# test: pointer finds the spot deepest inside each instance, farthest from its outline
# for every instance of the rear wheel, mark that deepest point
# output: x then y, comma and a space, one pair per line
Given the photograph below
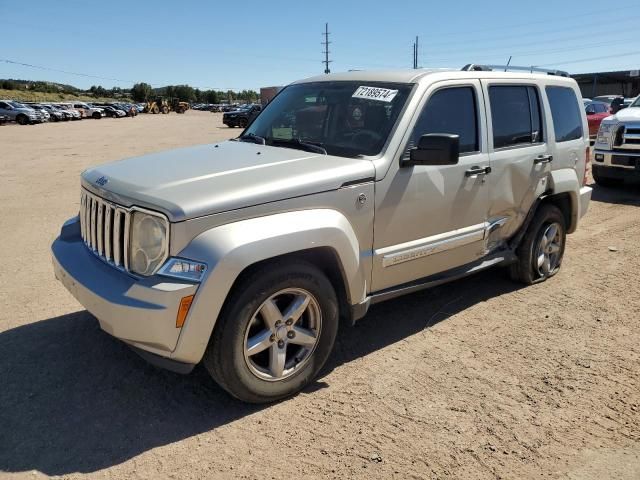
542, 249
155, 109
275, 332
243, 123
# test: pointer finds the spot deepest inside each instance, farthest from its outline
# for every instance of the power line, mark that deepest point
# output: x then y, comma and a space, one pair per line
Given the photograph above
86, 75
581, 60
546, 21
326, 48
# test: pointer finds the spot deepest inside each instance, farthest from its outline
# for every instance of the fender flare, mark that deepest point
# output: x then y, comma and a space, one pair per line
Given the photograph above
565, 181
229, 249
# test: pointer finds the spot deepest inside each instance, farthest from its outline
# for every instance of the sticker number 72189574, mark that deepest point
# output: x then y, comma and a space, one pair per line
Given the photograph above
375, 93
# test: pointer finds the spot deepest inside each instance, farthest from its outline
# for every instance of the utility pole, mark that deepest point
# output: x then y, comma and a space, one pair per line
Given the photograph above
326, 48
416, 51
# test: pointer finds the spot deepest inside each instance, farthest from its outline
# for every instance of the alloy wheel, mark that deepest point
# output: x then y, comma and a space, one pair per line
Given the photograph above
548, 252
282, 334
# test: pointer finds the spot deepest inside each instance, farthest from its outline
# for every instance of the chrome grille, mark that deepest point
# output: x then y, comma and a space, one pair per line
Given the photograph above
105, 229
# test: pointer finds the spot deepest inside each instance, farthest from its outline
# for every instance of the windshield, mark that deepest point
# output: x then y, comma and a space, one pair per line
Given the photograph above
636, 103
344, 118
18, 105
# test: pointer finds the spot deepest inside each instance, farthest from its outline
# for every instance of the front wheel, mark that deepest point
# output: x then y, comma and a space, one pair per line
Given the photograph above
275, 333
22, 119
542, 249
96, 116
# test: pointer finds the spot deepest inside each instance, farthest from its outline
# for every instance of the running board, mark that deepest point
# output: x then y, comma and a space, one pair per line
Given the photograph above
500, 258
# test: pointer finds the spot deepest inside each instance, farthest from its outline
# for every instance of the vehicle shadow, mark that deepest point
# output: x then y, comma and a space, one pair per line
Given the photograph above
625, 194
73, 399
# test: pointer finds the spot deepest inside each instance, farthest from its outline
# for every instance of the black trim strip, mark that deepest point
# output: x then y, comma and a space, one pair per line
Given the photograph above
351, 183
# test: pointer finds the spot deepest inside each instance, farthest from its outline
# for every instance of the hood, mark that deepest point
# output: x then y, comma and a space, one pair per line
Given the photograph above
207, 179
629, 114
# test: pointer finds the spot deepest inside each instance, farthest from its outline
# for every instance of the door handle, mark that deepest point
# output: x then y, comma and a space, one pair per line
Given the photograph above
475, 171
543, 159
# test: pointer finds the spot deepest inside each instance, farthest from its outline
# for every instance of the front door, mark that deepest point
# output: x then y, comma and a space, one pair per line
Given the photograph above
433, 218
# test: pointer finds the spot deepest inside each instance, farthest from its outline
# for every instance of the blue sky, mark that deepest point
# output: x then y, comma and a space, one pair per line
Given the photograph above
248, 44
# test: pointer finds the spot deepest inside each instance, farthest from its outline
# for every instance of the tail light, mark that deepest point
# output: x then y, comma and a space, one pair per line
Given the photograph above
587, 162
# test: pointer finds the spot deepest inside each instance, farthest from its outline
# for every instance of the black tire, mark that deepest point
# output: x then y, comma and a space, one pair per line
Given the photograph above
96, 115
527, 269
225, 356
606, 181
22, 119
243, 123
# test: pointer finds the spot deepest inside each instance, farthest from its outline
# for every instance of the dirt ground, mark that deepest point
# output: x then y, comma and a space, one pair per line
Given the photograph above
479, 379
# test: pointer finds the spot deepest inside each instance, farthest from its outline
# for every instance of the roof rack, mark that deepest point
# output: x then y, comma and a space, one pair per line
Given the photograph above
472, 67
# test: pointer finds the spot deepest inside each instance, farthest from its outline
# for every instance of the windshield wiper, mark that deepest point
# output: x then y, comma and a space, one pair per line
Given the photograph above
252, 137
301, 144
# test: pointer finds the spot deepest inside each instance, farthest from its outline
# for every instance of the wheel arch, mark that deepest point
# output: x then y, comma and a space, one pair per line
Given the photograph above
322, 237
564, 189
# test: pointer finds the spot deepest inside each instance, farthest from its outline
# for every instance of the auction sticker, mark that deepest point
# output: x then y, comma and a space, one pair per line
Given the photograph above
375, 93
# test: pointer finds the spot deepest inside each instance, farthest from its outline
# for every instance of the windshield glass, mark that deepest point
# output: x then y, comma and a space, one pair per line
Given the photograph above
344, 118
636, 103
17, 105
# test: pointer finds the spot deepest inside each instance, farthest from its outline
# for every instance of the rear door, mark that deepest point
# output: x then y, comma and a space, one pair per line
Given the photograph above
569, 137
519, 152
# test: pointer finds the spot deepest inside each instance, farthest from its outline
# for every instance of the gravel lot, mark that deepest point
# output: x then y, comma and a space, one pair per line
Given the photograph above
476, 379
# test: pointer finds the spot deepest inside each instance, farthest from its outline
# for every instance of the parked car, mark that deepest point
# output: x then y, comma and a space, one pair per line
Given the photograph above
3, 119
56, 114
75, 114
113, 112
89, 111
348, 190
596, 112
20, 113
615, 102
41, 110
617, 147
241, 117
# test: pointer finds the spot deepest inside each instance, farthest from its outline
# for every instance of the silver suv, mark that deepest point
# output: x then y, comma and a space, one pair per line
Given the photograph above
347, 190
20, 113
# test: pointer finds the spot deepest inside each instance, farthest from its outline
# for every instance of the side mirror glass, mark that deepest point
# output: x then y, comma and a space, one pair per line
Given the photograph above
435, 149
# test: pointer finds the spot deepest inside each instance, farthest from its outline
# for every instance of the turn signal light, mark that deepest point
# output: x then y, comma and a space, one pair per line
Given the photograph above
183, 310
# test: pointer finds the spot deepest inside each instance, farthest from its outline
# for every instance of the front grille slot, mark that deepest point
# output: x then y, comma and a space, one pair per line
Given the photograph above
104, 228
631, 135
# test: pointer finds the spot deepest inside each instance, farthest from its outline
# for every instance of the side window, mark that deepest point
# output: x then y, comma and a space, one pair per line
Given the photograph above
567, 122
3, 105
450, 110
515, 115
600, 108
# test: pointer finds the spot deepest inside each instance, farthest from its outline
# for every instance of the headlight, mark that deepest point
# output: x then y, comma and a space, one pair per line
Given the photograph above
184, 269
604, 133
149, 243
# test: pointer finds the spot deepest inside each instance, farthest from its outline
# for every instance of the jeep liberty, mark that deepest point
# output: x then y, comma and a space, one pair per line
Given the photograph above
348, 189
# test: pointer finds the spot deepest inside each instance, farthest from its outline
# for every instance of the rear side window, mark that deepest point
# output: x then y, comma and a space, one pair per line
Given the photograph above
515, 115
567, 122
450, 110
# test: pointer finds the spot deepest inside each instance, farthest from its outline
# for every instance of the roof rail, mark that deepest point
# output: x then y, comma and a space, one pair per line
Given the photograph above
472, 67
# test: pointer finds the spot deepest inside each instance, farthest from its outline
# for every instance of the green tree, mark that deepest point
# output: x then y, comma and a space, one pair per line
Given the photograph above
141, 92
211, 96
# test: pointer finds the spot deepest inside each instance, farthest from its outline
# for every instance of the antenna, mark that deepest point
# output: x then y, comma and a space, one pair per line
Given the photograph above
326, 43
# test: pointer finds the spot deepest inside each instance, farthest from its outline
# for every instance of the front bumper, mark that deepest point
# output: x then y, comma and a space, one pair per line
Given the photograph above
139, 311
618, 164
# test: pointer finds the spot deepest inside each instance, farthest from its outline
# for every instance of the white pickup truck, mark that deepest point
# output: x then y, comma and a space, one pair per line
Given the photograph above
617, 147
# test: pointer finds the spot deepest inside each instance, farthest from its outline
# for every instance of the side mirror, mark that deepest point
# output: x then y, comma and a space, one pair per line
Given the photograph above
591, 111
435, 149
